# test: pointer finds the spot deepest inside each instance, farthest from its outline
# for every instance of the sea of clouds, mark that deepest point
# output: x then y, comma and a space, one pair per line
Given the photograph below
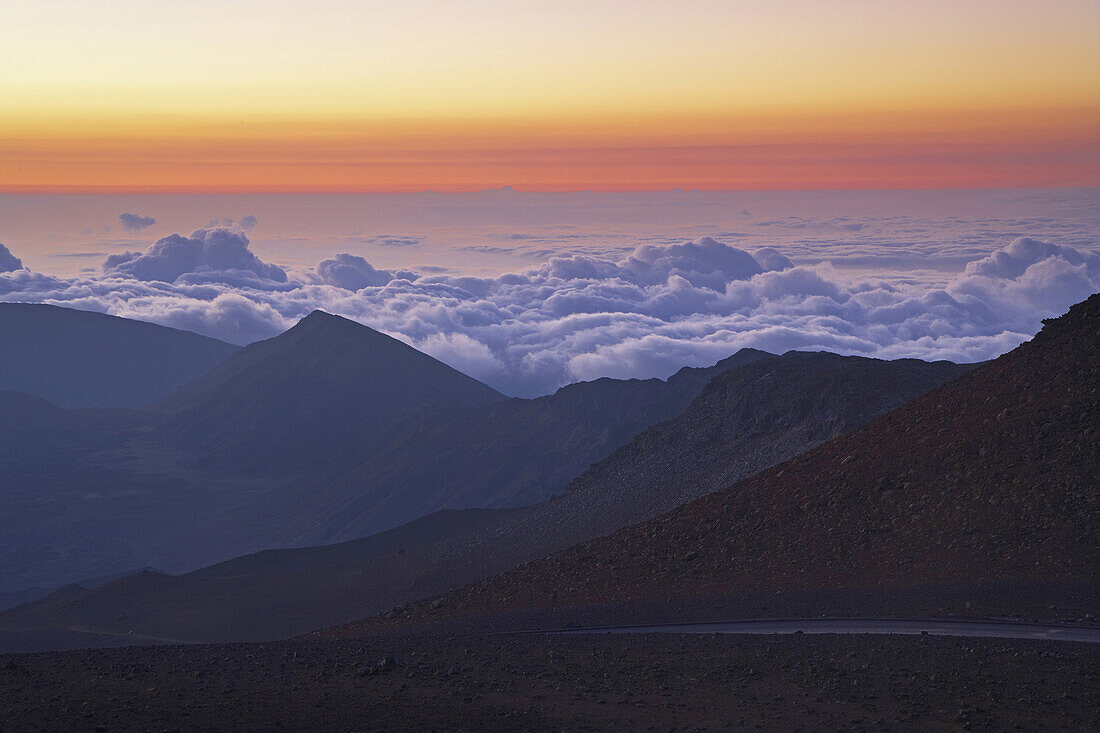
584, 316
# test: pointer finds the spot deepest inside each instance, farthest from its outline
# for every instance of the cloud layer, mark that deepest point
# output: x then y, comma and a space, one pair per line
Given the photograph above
584, 316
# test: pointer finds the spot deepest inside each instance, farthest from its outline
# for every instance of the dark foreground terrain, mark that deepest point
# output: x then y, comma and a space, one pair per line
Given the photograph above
544, 682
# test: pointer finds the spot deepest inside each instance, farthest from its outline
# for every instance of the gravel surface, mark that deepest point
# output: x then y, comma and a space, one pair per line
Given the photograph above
542, 682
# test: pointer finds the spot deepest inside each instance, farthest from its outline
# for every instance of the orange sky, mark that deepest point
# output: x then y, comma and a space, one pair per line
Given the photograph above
393, 96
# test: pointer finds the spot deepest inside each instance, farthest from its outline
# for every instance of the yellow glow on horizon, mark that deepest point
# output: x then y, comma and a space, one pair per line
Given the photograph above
338, 86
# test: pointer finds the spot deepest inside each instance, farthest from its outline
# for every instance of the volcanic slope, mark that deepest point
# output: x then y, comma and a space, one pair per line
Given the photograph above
747, 419
329, 432
83, 359
511, 453
993, 477
294, 400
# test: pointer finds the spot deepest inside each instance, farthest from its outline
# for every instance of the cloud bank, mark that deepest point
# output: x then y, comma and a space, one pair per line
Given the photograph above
212, 254
583, 316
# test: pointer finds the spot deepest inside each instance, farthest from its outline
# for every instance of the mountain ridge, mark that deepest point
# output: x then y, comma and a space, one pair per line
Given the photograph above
286, 400
79, 359
266, 595
77, 486
988, 478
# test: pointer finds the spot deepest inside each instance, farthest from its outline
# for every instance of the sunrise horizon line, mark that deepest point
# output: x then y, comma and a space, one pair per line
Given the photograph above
511, 189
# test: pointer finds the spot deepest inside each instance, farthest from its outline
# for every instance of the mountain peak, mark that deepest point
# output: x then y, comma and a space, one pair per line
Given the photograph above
319, 318
320, 315
290, 398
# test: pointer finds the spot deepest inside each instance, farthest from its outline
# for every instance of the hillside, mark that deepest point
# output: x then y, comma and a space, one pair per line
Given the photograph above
83, 359
747, 418
299, 399
990, 478
511, 453
265, 595
330, 432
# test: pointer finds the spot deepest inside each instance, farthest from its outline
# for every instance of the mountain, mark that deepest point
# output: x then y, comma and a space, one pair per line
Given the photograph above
991, 478
296, 399
11, 599
329, 432
82, 359
744, 421
761, 411
511, 453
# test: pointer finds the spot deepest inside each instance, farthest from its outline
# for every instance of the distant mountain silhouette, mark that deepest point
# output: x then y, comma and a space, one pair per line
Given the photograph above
761, 410
262, 595
288, 401
329, 432
990, 478
82, 359
11, 599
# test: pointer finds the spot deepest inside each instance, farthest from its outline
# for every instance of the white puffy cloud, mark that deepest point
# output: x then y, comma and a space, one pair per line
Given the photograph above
352, 272
772, 259
703, 263
248, 221
207, 251
234, 317
585, 316
1015, 260
8, 261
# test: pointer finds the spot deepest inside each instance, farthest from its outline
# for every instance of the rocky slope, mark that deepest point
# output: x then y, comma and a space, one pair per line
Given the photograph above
992, 477
747, 419
511, 453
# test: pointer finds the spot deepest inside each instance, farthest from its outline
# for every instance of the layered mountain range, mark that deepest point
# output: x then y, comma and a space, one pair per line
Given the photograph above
760, 474
990, 478
584, 456
331, 431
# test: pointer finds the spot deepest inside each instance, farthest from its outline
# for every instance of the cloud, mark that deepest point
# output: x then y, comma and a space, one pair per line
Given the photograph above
1016, 259
8, 261
247, 222
397, 241
642, 314
351, 272
212, 253
234, 317
135, 223
772, 259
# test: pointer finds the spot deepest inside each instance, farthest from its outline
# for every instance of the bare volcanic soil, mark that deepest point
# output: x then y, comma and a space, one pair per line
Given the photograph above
991, 478
539, 682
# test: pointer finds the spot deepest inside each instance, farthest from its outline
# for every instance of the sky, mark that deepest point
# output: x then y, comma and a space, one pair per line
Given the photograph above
409, 95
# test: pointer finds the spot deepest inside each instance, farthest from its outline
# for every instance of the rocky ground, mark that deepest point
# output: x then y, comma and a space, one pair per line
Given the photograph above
541, 682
